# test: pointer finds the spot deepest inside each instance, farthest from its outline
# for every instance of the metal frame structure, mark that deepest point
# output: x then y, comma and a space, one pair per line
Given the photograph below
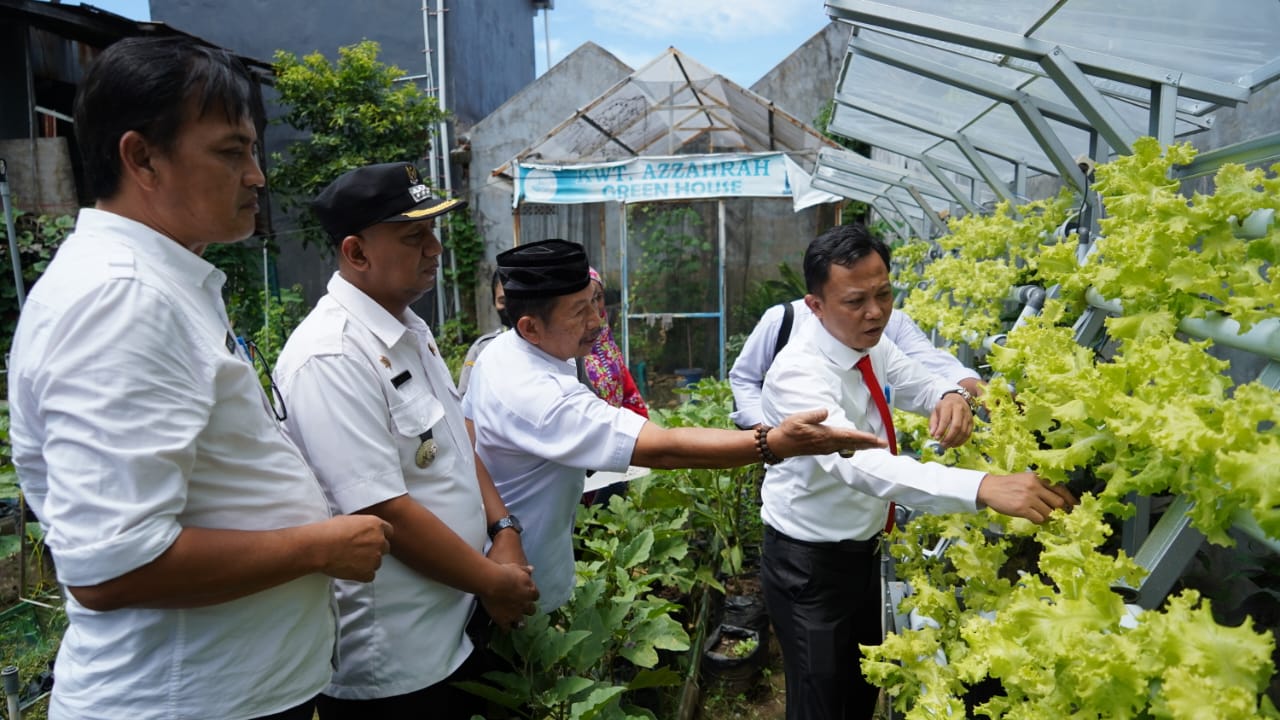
973, 96
979, 94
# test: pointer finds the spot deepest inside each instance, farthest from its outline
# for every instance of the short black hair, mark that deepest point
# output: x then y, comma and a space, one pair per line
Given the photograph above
145, 84
493, 285
842, 245
539, 307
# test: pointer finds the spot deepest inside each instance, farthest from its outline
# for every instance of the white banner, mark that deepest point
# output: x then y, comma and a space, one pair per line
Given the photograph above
677, 177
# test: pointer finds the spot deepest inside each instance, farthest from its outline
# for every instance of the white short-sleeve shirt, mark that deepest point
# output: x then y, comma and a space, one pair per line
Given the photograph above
134, 414
827, 498
362, 388
538, 430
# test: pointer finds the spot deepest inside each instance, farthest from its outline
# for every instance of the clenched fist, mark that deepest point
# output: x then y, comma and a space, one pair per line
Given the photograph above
356, 544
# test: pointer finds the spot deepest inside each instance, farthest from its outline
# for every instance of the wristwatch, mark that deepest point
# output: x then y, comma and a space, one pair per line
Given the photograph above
510, 521
968, 397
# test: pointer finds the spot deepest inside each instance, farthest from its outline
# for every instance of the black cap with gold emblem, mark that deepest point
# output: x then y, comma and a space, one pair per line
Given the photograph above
389, 192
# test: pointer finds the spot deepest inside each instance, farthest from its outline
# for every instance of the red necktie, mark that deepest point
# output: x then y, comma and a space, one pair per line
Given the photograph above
877, 396
886, 419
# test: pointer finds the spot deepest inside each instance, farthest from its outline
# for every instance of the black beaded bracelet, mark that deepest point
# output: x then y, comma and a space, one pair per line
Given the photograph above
767, 456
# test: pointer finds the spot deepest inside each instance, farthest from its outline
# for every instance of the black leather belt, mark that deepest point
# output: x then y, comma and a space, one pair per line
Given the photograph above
844, 546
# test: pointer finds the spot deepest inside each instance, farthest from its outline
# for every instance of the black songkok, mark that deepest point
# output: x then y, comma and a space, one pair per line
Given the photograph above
548, 268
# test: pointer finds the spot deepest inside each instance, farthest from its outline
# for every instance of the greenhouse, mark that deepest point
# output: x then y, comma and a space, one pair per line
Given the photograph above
1079, 301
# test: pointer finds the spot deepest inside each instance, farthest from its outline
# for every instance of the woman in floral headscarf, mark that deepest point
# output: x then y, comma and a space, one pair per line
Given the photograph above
606, 370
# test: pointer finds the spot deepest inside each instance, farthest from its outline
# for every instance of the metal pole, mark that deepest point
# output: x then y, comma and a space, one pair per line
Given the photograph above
22, 298
723, 322
266, 292
13, 237
546, 34
429, 79
445, 171
626, 296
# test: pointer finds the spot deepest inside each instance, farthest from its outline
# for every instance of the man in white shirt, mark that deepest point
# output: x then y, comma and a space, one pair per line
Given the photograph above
823, 514
193, 541
772, 333
375, 412
538, 429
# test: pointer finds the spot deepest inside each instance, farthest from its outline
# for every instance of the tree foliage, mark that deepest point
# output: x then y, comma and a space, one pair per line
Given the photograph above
356, 114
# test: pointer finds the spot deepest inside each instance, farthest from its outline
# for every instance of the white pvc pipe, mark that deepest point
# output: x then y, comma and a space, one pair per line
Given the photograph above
10, 677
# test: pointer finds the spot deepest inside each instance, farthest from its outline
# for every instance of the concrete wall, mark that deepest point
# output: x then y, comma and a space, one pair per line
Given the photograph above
579, 78
41, 176
805, 80
1256, 118
763, 233
489, 57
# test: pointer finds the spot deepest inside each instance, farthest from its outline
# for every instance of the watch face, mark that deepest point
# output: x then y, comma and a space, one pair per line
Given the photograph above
509, 521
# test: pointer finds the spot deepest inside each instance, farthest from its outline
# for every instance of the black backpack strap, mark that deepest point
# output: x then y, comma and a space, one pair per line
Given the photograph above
784, 332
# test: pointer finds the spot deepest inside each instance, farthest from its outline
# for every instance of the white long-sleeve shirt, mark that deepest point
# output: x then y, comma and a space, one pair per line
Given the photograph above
134, 414
827, 498
747, 375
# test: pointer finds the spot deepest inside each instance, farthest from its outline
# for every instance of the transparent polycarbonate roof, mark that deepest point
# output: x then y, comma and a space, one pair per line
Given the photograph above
1220, 40
1001, 91
675, 105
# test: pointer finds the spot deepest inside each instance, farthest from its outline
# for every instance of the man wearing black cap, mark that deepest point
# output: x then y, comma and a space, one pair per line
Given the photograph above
538, 429
373, 408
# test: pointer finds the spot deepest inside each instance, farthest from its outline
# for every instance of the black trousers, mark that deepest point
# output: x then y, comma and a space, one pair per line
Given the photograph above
823, 600
441, 701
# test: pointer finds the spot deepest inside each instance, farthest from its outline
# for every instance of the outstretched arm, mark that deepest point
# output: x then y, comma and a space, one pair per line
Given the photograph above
799, 434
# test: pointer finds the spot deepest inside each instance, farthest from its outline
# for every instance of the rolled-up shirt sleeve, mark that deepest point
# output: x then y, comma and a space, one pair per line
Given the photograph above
123, 397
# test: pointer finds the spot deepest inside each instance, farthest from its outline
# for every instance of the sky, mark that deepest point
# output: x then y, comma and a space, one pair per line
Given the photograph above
740, 39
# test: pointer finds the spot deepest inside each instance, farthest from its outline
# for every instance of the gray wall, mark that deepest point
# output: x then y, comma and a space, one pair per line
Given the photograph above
489, 57
1260, 116
805, 80
579, 78
764, 233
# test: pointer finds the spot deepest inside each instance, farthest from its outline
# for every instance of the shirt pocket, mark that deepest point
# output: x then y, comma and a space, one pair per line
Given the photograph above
417, 414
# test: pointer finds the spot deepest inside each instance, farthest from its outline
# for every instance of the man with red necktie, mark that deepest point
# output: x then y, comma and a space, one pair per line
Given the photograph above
823, 514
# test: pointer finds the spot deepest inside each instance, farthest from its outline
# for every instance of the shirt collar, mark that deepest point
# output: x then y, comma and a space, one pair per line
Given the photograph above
385, 326
156, 250
537, 354
837, 352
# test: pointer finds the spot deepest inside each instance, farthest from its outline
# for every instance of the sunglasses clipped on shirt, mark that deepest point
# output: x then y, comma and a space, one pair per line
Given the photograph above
259, 363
